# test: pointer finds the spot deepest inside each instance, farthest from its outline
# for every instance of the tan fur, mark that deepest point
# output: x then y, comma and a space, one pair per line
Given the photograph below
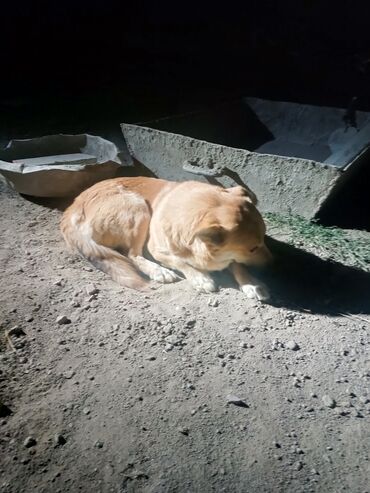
191, 227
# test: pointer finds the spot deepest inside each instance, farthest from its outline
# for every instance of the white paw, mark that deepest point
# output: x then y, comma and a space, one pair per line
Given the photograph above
203, 283
256, 292
166, 276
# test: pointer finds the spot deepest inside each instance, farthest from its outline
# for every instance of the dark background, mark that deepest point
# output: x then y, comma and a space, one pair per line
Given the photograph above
81, 66
312, 51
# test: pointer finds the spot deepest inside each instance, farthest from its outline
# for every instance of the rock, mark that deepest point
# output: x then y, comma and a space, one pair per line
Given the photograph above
29, 442
172, 339
213, 302
236, 401
59, 439
151, 358
244, 345
69, 374
364, 399
98, 444
63, 320
292, 345
298, 465
92, 290
28, 318
184, 431
168, 347
86, 410
328, 401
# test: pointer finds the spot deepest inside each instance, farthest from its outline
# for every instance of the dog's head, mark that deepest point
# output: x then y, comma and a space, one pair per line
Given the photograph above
232, 229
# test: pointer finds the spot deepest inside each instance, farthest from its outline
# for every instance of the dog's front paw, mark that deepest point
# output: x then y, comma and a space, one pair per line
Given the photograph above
256, 292
203, 283
163, 275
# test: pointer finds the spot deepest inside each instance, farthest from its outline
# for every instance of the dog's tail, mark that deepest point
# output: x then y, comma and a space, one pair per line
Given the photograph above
77, 234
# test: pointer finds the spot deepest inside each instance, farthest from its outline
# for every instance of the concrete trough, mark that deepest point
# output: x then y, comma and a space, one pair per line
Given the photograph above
293, 156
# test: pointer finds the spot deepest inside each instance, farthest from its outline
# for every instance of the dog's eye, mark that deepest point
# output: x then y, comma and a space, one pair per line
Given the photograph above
254, 249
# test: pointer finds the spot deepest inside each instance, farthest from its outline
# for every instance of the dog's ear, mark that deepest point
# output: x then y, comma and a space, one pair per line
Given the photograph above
214, 235
244, 192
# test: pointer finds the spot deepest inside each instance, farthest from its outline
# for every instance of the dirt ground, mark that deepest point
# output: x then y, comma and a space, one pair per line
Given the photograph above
109, 390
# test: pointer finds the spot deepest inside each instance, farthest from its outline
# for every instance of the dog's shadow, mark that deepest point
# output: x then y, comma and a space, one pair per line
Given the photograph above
302, 281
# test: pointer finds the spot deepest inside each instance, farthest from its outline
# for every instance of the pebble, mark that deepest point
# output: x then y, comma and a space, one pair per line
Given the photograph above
98, 444
92, 290
184, 431
62, 320
213, 302
244, 345
237, 401
86, 410
151, 358
292, 345
59, 439
169, 347
172, 339
30, 442
328, 401
298, 465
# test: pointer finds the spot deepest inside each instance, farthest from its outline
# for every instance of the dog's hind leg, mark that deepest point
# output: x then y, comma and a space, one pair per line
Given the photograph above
154, 271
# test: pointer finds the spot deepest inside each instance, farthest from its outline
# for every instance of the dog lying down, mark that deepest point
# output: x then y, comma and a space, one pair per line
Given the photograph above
192, 228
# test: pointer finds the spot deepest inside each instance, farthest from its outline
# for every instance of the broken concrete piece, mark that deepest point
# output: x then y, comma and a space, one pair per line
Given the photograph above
77, 158
59, 165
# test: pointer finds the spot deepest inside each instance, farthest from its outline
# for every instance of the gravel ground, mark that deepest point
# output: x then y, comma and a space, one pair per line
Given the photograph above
109, 390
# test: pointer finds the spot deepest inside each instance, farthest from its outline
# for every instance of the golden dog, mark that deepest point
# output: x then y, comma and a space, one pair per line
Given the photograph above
191, 227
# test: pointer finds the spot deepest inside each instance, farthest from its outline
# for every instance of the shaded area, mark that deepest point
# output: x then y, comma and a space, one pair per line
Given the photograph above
349, 206
302, 281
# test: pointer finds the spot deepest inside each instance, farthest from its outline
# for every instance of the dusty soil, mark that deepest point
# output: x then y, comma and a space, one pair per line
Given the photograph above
132, 394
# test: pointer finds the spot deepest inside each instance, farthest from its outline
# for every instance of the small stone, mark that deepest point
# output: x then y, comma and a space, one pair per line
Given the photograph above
328, 401
244, 345
220, 355
172, 339
29, 442
168, 347
86, 410
63, 320
98, 444
298, 465
59, 439
69, 374
184, 431
236, 401
92, 290
364, 399
151, 358
292, 345
28, 318
213, 302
